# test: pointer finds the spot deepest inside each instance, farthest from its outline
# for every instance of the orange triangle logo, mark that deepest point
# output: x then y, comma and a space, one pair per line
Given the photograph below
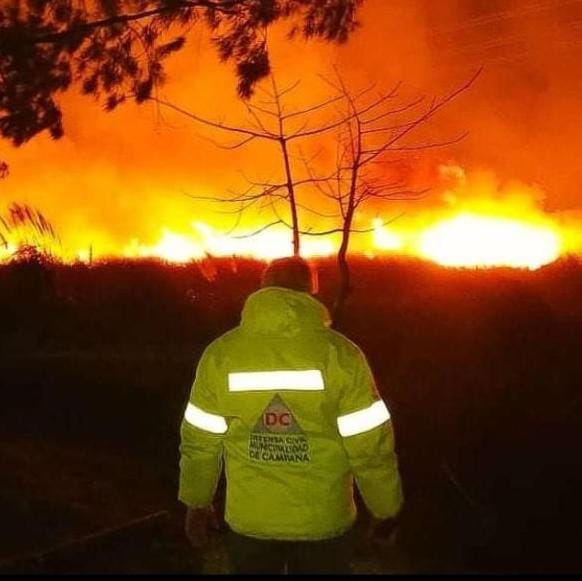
277, 419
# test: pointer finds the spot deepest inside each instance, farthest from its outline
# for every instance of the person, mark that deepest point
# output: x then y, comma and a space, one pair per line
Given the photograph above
291, 408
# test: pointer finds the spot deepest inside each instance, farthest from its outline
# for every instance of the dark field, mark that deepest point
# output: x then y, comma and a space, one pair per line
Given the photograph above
481, 371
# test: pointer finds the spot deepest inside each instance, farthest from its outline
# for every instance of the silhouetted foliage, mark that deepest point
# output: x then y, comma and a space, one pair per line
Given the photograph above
29, 232
116, 50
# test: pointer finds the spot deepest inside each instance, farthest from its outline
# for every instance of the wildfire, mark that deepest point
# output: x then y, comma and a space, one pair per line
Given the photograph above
463, 240
205, 240
484, 241
384, 238
171, 247
480, 223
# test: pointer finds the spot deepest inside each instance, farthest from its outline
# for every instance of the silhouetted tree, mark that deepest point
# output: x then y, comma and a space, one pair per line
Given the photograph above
116, 49
371, 127
272, 120
378, 132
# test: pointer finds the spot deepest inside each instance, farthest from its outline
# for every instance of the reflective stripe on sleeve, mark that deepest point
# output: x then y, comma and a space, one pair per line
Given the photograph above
363, 420
205, 421
307, 380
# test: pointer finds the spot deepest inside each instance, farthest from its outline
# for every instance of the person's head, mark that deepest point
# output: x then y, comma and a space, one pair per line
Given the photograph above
293, 273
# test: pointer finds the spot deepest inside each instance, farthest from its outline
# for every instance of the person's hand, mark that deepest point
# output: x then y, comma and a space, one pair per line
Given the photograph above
200, 524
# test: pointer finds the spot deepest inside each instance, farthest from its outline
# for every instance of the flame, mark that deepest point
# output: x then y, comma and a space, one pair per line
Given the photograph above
171, 247
465, 239
385, 238
203, 240
116, 176
7, 251
478, 222
485, 241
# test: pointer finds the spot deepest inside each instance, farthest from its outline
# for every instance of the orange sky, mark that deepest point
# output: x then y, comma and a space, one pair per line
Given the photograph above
123, 175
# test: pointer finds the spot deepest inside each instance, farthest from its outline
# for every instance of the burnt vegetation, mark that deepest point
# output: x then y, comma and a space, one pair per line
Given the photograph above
480, 369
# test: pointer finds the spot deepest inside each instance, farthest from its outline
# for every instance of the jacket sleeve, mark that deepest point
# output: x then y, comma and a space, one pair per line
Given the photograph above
202, 432
368, 437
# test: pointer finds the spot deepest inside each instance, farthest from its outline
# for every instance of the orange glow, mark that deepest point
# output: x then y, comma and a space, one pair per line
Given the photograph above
115, 185
466, 239
203, 240
171, 247
484, 241
385, 239
7, 251
475, 221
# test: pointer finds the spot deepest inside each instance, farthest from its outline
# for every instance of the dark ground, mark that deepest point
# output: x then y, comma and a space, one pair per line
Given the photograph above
481, 371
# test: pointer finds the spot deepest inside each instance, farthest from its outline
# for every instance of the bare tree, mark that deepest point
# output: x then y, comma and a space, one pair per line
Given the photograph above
374, 134
378, 132
271, 120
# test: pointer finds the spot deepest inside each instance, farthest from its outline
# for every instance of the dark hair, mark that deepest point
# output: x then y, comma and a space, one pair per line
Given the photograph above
293, 273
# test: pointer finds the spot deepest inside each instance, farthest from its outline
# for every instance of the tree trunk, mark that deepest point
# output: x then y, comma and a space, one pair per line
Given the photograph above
295, 224
344, 286
292, 201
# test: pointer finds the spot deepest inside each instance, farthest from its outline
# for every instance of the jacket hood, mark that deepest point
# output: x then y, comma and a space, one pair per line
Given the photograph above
284, 312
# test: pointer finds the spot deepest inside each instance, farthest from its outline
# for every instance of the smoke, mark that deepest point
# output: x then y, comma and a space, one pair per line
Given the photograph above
127, 175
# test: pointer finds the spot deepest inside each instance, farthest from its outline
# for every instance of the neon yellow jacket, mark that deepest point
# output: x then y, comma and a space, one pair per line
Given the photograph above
291, 407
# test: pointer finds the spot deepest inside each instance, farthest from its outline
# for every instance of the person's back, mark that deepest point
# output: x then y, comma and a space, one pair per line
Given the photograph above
292, 408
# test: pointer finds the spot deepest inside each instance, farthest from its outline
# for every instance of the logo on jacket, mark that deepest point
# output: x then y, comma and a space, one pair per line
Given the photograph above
277, 437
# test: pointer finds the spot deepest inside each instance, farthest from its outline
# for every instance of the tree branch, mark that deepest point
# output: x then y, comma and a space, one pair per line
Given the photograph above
432, 110
85, 28
262, 229
214, 124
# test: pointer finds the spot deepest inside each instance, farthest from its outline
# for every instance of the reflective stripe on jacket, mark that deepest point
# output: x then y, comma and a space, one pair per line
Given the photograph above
291, 408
